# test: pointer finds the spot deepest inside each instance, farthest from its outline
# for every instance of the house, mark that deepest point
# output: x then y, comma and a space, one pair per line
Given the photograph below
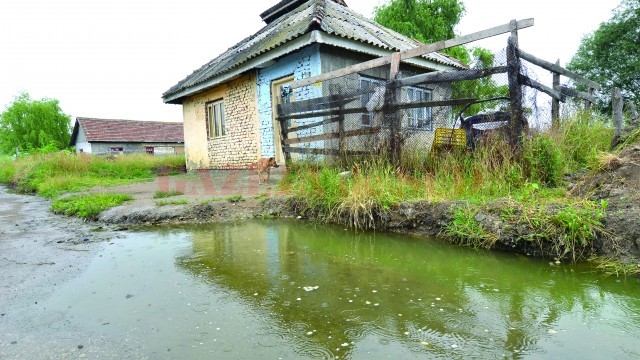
109, 136
228, 103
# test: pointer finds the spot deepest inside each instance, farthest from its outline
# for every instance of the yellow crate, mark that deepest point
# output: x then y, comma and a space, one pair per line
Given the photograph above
445, 137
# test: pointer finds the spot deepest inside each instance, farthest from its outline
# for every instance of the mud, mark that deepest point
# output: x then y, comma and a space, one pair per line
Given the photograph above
619, 185
39, 252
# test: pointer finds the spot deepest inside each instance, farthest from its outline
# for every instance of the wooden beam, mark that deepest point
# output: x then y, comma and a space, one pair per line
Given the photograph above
525, 80
555, 103
419, 51
427, 104
315, 104
312, 125
461, 40
558, 69
450, 76
331, 112
297, 150
336, 135
568, 91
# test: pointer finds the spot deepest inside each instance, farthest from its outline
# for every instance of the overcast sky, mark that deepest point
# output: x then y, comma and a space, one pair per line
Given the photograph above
115, 58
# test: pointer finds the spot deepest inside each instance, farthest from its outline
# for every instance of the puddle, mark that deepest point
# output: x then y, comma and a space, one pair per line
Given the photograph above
292, 290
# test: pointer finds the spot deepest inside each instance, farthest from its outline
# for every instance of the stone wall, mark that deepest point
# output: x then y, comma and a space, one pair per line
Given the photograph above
237, 149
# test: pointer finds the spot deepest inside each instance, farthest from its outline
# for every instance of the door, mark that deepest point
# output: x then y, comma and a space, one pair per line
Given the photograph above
280, 93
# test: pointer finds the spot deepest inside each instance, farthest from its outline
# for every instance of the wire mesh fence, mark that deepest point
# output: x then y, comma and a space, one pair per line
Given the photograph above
368, 114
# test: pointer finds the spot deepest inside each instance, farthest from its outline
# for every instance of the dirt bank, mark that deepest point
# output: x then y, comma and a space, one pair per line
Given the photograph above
39, 252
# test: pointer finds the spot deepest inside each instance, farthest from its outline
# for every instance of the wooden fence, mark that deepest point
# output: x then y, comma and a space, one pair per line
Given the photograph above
333, 108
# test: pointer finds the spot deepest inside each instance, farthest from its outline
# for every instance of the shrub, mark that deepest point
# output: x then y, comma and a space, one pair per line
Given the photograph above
543, 160
88, 206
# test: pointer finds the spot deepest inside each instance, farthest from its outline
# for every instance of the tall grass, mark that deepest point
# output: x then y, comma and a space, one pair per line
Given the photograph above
55, 173
492, 170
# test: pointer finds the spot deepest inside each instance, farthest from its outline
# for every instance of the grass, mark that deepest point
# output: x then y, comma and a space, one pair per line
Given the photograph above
612, 267
53, 174
235, 198
171, 202
166, 194
531, 179
88, 206
466, 230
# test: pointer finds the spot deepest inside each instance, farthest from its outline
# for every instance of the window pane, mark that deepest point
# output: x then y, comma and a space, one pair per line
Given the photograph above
210, 120
216, 119
222, 124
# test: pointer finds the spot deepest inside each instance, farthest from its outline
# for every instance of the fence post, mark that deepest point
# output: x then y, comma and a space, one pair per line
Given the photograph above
516, 125
391, 110
618, 119
283, 133
587, 103
633, 113
555, 104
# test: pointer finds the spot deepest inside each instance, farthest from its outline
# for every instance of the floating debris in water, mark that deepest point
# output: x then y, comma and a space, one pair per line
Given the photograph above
255, 294
310, 288
453, 346
298, 299
345, 344
368, 302
552, 331
376, 304
438, 299
406, 333
374, 291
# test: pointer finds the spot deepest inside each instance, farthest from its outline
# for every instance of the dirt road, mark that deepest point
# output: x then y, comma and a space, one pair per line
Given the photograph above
39, 252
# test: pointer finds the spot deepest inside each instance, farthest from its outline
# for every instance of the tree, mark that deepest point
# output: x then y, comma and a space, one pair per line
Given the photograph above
29, 124
429, 21
610, 55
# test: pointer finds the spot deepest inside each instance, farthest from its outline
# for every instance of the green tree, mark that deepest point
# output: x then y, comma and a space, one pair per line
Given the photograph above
611, 54
429, 21
30, 124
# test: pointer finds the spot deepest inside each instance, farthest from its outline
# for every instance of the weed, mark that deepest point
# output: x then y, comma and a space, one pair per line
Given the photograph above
261, 196
88, 206
465, 229
210, 200
166, 194
171, 202
612, 267
235, 198
55, 173
543, 160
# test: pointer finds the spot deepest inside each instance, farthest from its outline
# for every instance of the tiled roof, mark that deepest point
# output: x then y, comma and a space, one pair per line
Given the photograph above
324, 15
110, 130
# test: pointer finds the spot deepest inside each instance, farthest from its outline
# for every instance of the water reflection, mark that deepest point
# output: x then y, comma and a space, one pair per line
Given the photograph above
330, 293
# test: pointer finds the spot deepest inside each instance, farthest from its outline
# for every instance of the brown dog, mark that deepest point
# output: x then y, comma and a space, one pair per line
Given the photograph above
265, 164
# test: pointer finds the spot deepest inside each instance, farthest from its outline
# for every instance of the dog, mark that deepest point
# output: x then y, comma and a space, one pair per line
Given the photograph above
265, 164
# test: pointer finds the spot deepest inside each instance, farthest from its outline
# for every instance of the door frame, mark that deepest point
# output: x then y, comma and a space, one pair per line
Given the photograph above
277, 131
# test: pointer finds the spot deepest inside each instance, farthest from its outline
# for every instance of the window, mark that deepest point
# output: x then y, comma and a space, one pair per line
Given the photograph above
371, 99
419, 118
148, 150
115, 150
216, 126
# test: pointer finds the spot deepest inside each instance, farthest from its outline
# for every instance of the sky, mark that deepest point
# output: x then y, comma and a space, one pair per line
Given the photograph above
114, 58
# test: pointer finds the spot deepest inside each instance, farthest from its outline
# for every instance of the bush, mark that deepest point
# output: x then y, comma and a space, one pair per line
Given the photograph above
88, 206
543, 160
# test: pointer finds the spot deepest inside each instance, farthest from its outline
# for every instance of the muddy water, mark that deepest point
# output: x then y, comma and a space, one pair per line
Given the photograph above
292, 290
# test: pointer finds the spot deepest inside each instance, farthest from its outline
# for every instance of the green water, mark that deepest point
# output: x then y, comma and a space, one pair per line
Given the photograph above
293, 290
